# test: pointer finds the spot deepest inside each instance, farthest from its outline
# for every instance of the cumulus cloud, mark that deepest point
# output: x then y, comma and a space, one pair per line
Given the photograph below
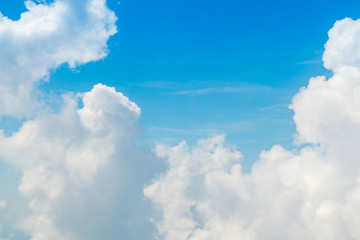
82, 173
46, 36
343, 46
311, 193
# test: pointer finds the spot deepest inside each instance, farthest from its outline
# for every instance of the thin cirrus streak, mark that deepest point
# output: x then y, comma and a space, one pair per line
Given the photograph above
231, 89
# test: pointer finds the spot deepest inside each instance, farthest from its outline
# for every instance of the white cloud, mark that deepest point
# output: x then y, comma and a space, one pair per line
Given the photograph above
46, 36
312, 193
343, 47
287, 195
82, 174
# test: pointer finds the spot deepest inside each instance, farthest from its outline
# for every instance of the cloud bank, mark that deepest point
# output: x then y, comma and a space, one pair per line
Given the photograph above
311, 193
83, 176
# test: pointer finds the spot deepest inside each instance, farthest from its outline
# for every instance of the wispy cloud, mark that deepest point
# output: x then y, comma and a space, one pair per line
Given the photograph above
227, 89
159, 84
208, 128
202, 87
309, 62
180, 130
273, 107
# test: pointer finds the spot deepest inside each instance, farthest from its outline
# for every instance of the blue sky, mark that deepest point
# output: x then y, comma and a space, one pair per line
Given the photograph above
249, 57
196, 69
210, 67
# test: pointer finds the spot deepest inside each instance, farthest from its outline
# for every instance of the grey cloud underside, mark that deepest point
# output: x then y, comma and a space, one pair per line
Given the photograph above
84, 177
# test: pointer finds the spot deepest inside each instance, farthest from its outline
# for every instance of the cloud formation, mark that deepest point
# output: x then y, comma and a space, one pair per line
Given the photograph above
46, 36
77, 165
311, 193
84, 176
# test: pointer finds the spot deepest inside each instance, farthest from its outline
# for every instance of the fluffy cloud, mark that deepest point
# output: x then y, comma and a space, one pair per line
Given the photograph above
46, 36
312, 193
82, 174
343, 46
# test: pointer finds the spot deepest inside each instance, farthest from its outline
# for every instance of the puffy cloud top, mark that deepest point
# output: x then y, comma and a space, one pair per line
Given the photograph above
46, 36
343, 47
104, 109
77, 165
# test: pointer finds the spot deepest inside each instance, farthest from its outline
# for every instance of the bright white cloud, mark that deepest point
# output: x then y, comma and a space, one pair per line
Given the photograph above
312, 193
83, 176
82, 173
343, 46
287, 195
46, 36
